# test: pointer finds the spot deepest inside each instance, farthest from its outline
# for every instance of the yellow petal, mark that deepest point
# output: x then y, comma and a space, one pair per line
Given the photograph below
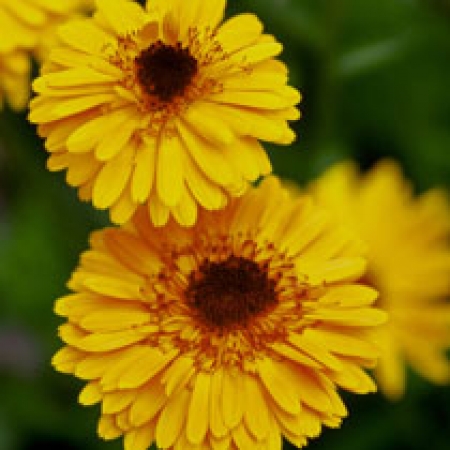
150, 364
66, 359
232, 398
178, 374
198, 414
362, 317
112, 179
139, 438
111, 286
275, 386
125, 359
144, 171
103, 342
123, 16
344, 344
242, 438
123, 209
200, 14
311, 391
172, 419
256, 412
314, 350
207, 193
72, 77
339, 269
148, 403
159, 212
84, 35
116, 401
131, 251
349, 295
169, 174
208, 157
260, 100
107, 428
95, 365
239, 31
185, 213
203, 118
120, 139
218, 427
114, 320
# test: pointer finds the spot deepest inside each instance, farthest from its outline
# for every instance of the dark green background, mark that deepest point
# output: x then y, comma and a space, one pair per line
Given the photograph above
375, 79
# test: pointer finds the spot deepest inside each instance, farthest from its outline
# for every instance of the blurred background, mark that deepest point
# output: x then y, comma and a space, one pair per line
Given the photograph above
375, 80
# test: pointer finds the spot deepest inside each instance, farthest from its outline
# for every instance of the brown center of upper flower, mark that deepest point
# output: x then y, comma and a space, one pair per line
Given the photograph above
165, 71
231, 292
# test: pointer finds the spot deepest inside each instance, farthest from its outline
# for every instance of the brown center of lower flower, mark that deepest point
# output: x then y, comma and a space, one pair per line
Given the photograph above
165, 71
231, 292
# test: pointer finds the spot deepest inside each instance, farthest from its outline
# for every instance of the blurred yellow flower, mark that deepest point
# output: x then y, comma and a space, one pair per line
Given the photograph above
227, 335
14, 79
409, 263
23, 22
28, 28
163, 106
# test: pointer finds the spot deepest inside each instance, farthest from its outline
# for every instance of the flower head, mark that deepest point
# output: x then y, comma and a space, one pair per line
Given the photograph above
163, 106
229, 334
409, 264
28, 28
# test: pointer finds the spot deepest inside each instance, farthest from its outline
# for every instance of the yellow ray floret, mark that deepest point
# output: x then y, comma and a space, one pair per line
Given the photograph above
227, 335
409, 263
163, 106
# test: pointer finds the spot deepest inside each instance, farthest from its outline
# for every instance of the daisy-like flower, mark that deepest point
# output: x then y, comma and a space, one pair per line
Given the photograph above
227, 335
28, 29
14, 79
409, 264
163, 106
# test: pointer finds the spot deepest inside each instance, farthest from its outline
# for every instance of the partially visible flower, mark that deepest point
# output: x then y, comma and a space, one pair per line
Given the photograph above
28, 29
163, 106
409, 263
227, 335
27, 24
14, 79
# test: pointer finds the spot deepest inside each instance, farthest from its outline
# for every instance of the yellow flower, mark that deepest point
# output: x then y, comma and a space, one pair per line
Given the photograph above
409, 264
163, 106
14, 79
27, 28
229, 334
26, 24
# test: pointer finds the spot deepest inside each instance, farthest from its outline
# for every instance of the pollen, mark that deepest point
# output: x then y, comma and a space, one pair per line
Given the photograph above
231, 292
165, 71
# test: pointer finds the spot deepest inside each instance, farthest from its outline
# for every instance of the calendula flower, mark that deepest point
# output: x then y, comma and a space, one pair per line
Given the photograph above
28, 29
409, 264
229, 334
14, 79
163, 106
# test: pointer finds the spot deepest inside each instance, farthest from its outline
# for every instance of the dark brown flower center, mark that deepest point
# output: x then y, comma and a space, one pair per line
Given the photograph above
231, 292
165, 71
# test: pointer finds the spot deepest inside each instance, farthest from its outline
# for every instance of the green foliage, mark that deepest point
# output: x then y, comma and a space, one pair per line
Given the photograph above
374, 75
